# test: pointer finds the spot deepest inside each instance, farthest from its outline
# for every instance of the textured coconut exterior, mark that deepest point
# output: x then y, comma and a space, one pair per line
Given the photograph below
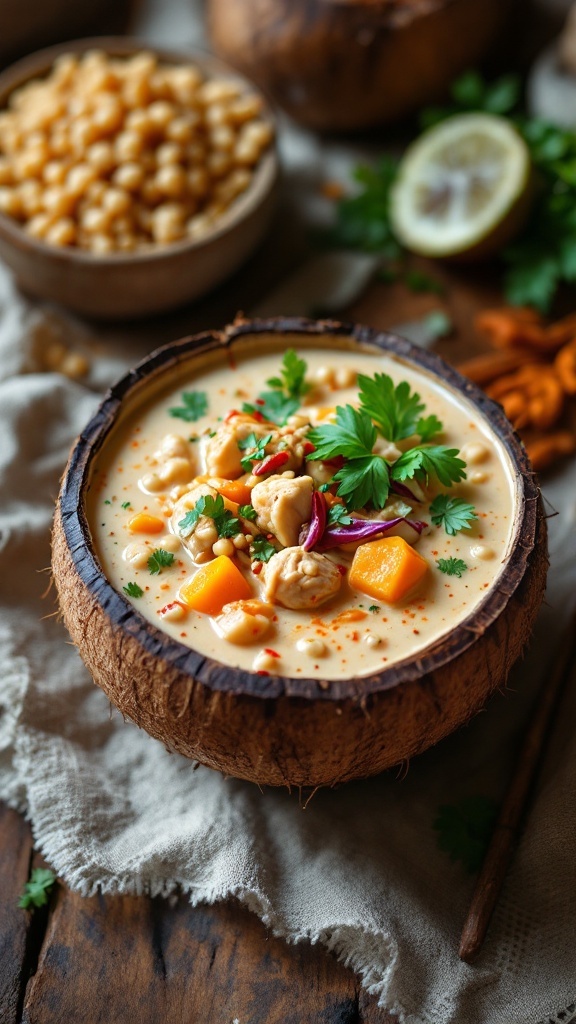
271, 729
337, 65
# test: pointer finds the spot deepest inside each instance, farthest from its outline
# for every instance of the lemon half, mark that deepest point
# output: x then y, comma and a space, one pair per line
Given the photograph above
463, 188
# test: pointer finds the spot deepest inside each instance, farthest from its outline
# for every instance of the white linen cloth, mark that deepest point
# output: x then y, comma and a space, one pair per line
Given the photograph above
359, 870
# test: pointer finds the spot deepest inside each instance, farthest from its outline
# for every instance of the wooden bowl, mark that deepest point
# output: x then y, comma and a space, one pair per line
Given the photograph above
337, 65
272, 729
153, 280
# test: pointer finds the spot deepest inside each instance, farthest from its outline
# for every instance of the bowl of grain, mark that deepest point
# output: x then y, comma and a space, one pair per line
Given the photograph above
131, 181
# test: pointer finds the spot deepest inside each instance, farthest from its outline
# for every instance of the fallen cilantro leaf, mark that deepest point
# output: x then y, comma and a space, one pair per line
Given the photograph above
261, 549
227, 525
107, 501
452, 566
248, 512
133, 590
195, 405
292, 377
126, 504
273, 406
256, 448
454, 514
337, 515
160, 559
416, 281
375, 608
464, 830
287, 392
37, 888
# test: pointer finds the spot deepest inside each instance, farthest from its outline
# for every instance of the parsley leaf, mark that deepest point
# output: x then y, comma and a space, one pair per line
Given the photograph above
255, 445
364, 478
226, 524
452, 566
363, 220
261, 549
126, 504
423, 462
288, 390
394, 409
133, 590
337, 515
464, 830
248, 512
160, 559
429, 427
454, 514
292, 377
195, 406
37, 888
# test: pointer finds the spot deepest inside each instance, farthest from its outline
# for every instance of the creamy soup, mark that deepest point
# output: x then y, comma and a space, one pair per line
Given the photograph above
212, 512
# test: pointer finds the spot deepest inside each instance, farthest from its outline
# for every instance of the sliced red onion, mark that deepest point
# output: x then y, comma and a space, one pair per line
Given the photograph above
361, 529
318, 517
403, 491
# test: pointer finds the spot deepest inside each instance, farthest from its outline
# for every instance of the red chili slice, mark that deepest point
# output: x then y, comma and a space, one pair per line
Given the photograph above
271, 463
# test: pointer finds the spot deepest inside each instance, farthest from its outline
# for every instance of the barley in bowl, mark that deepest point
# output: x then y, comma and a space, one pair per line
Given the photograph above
115, 155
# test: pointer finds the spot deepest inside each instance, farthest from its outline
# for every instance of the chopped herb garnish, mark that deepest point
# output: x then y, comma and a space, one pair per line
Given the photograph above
364, 478
454, 514
261, 549
394, 409
126, 504
375, 608
256, 448
287, 392
248, 512
337, 515
464, 830
429, 427
452, 566
324, 487
107, 501
226, 524
195, 405
133, 590
160, 559
37, 888
424, 462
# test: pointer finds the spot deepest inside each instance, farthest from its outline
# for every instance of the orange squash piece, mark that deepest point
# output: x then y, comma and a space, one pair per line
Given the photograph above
235, 490
386, 569
217, 583
143, 522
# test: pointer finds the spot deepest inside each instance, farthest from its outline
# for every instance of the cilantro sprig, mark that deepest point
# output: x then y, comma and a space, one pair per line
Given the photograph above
160, 559
395, 409
426, 461
133, 590
248, 512
338, 516
195, 405
288, 390
255, 447
261, 549
37, 889
454, 514
225, 522
452, 566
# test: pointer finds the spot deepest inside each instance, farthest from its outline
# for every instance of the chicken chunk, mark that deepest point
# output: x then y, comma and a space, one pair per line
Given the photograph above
296, 578
222, 453
198, 542
283, 505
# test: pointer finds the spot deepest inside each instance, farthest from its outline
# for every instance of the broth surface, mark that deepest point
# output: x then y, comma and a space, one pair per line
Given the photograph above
354, 634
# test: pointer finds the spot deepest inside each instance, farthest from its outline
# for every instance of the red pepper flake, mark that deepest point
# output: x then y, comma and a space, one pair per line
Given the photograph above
271, 463
342, 569
230, 415
271, 652
257, 416
309, 447
256, 568
169, 607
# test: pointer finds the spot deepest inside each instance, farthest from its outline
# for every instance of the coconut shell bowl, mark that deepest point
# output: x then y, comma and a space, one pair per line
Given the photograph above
144, 278
277, 729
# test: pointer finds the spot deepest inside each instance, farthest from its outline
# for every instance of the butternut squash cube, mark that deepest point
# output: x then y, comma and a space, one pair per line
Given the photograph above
217, 583
386, 569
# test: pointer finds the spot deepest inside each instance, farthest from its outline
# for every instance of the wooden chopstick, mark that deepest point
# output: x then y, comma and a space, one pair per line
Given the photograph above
515, 803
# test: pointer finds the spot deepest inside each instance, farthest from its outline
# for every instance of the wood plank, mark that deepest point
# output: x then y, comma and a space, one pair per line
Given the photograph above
123, 960
15, 857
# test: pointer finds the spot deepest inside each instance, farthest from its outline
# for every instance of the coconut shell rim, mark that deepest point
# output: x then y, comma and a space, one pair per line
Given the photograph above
216, 675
